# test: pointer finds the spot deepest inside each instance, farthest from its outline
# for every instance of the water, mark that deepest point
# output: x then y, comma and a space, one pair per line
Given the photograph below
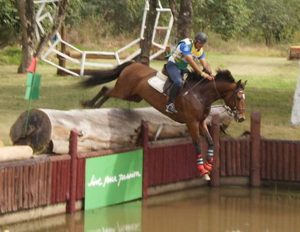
226, 209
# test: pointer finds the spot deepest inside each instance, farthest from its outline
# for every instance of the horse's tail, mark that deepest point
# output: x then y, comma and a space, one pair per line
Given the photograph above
104, 76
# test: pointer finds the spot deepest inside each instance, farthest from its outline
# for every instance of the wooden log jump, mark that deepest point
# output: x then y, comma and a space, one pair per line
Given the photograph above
48, 130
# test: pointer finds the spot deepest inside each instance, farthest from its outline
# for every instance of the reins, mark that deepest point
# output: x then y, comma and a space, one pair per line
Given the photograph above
198, 82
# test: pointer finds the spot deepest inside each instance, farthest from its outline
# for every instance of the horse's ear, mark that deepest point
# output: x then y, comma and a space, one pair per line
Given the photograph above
239, 84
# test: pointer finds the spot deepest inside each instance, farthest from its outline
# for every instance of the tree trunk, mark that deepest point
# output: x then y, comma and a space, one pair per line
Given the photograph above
27, 19
174, 9
62, 8
146, 43
48, 130
29, 44
184, 25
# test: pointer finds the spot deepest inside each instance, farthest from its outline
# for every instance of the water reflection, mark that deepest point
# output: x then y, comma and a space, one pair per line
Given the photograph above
203, 209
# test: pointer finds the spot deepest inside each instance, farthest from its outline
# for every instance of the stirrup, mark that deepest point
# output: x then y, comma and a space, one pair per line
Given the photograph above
170, 108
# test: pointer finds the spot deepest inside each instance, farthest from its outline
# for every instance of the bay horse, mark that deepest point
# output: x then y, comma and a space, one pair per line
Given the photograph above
193, 103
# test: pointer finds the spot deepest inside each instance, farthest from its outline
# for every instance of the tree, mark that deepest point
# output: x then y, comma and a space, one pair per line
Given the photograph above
28, 41
184, 26
30, 46
147, 41
276, 20
182, 18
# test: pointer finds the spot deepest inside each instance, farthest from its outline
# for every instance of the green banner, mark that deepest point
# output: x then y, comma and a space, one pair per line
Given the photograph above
33, 86
113, 179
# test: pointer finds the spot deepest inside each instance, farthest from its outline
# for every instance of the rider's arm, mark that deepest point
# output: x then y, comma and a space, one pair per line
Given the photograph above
190, 60
206, 66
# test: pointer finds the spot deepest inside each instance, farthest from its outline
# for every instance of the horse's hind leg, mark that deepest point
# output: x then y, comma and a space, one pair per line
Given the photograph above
105, 97
92, 103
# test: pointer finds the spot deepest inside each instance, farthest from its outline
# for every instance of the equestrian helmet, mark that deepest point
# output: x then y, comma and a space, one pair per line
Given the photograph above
201, 37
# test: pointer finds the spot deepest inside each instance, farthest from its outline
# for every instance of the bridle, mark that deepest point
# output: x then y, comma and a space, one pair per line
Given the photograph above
232, 111
236, 98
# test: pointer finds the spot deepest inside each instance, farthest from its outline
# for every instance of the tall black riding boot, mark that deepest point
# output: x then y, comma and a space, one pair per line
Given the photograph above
170, 107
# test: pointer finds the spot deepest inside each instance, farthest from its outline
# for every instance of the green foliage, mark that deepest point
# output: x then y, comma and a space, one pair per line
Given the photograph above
228, 18
74, 10
9, 22
270, 21
275, 20
124, 15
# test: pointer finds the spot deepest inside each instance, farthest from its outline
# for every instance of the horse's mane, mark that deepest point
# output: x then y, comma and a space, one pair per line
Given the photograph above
222, 75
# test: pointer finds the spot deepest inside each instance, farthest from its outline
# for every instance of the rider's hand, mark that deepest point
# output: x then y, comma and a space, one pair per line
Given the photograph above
207, 76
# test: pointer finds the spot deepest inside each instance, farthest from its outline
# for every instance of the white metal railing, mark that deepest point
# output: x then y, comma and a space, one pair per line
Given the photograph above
82, 61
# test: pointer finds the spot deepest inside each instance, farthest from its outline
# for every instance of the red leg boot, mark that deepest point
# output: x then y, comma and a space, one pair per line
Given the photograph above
200, 166
208, 165
202, 169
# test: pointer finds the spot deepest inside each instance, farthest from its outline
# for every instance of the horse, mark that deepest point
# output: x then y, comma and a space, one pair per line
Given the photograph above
193, 102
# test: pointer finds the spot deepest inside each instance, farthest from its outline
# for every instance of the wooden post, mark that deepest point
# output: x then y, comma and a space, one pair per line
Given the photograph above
145, 144
73, 177
215, 131
255, 150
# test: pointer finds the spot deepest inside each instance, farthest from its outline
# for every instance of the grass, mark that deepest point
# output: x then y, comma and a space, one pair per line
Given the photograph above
270, 90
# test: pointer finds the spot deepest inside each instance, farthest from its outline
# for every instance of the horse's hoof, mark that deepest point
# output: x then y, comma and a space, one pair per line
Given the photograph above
206, 177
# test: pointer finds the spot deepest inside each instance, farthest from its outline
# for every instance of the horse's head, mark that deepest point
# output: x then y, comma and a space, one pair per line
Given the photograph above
236, 101
226, 88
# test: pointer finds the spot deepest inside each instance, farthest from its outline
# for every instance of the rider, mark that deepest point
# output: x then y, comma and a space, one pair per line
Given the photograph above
187, 52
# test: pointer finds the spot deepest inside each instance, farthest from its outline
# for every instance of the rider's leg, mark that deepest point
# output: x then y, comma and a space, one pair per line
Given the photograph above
176, 76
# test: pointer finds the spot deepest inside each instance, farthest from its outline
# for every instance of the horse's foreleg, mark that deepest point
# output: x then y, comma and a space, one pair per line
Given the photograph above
195, 134
210, 152
92, 102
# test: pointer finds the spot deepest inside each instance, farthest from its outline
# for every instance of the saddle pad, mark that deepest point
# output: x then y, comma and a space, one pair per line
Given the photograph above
158, 81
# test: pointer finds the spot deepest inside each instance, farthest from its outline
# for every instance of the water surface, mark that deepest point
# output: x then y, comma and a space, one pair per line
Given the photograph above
232, 209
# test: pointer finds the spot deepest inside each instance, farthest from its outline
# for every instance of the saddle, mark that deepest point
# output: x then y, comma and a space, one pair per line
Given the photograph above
161, 81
